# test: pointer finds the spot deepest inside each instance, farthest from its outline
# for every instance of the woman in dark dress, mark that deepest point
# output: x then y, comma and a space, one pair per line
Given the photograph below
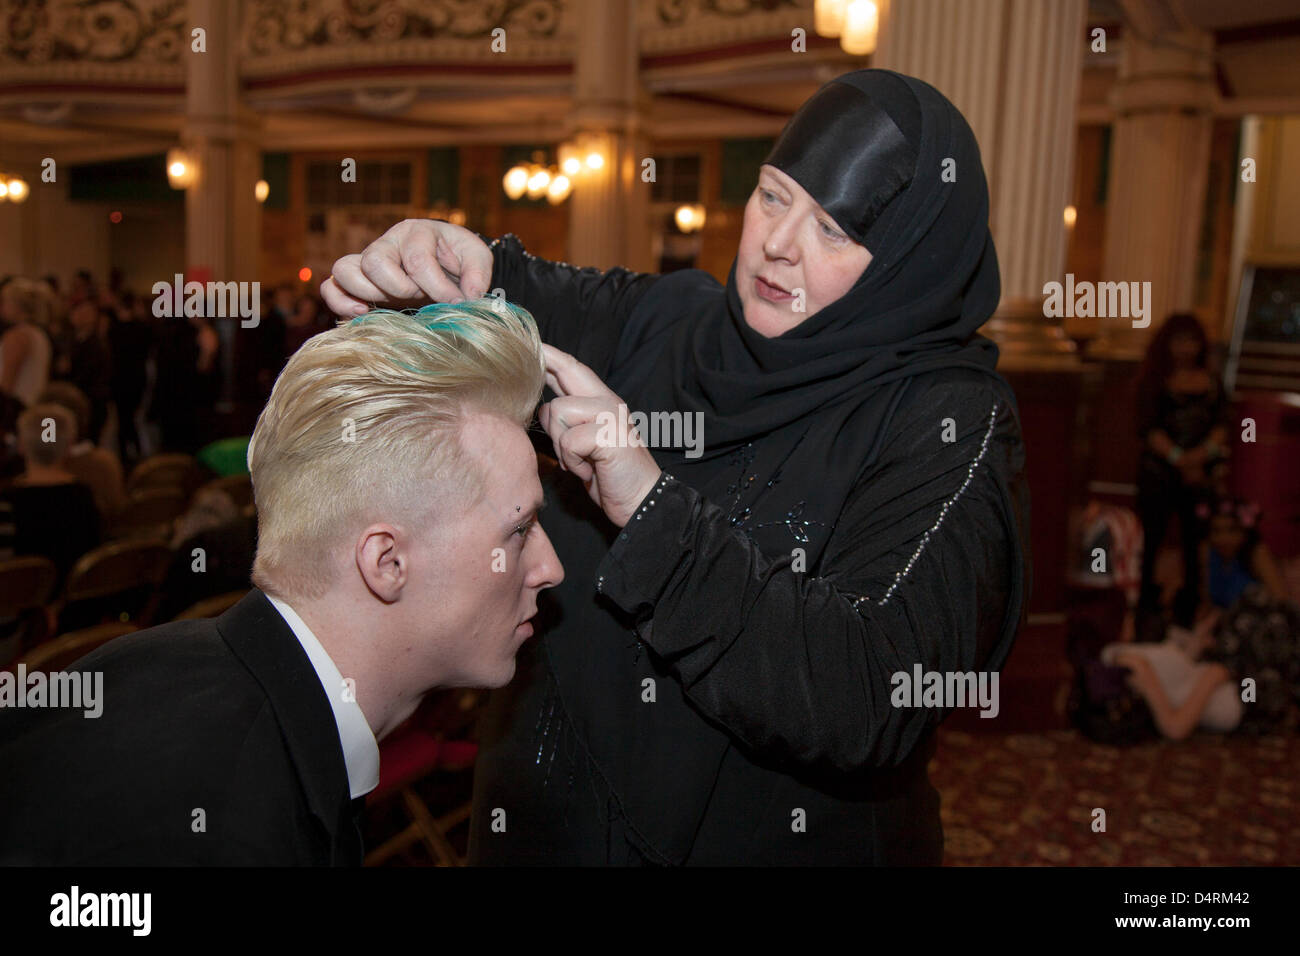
1183, 424
714, 682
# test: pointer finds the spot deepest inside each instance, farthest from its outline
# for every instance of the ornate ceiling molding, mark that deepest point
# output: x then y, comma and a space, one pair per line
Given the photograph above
281, 37
40, 32
665, 26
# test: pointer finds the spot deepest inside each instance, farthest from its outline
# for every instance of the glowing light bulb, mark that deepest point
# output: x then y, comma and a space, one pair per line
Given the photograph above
515, 182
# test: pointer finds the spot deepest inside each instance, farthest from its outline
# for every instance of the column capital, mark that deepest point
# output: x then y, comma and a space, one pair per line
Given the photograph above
1172, 72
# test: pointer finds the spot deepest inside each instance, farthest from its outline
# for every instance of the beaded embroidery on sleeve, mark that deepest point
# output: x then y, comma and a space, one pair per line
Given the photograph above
901, 575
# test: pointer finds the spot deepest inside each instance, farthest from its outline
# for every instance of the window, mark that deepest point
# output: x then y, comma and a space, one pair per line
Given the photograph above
677, 179
378, 184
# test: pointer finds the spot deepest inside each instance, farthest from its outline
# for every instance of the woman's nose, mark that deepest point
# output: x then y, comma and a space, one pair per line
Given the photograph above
781, 240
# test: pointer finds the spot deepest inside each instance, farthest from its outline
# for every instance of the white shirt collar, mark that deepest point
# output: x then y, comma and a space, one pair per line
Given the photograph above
360, 749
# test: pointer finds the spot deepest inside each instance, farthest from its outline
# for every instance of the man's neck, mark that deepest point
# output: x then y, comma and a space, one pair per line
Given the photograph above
350, 646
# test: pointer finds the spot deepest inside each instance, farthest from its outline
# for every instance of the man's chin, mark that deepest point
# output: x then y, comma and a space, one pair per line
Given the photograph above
503, 676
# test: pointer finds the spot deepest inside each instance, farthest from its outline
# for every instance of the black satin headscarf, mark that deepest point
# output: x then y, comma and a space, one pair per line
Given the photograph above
898, 168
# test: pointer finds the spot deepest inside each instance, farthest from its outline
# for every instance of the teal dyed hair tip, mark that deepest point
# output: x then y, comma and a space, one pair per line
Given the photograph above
460, 312
456, 317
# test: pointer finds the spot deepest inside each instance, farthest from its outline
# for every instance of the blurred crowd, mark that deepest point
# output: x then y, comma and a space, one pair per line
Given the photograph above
112, 420
153, 384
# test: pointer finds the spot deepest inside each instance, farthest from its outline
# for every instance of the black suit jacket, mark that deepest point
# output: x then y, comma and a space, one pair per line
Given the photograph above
216, 745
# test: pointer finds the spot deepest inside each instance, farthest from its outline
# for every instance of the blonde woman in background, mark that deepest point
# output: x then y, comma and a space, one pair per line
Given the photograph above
26, 310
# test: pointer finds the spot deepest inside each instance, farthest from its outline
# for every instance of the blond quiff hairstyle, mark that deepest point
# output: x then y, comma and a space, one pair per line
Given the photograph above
363, 424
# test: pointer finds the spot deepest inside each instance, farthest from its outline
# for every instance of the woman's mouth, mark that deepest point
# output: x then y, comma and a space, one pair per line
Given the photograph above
771, 292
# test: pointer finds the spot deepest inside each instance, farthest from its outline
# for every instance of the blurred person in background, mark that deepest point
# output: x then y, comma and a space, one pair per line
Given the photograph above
308, 319
98, 468
187, 382
228, 539
130, 338
54, 514
1183, 425
26, 314
84, 361
1233, 557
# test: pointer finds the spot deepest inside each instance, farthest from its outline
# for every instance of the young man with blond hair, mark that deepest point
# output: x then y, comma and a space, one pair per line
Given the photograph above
399, 551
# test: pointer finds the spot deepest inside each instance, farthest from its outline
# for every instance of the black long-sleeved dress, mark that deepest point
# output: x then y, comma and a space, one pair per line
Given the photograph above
693, 697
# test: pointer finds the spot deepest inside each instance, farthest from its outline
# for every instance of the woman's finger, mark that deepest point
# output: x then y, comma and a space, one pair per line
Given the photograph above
418, 249
338, 301
567, 376
570, 410
351, 281
465, 258
574, 448
381, 262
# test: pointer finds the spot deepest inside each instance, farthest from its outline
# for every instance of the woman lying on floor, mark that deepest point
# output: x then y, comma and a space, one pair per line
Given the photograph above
1182, 691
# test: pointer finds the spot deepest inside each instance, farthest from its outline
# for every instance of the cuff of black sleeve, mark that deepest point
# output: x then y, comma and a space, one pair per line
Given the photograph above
637, 568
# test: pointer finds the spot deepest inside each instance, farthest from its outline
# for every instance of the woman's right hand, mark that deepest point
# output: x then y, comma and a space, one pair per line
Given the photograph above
415, 262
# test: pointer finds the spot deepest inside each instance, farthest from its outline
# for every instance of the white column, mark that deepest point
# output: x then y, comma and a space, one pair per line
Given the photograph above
608, 209
1160, 156
1013, 69
223, 232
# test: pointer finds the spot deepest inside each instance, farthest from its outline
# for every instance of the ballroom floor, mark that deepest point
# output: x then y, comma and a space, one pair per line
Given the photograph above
1028, 800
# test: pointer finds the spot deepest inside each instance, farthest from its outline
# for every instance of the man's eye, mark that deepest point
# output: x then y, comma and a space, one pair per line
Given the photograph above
523, 530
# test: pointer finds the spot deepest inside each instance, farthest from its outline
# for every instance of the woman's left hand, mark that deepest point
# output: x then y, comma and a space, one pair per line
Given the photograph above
594, 440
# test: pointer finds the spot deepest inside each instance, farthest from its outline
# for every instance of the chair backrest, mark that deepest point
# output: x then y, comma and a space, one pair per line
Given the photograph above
149, 509
25, 583
211, 607
63, 651
167, 470
239, 487
116, 568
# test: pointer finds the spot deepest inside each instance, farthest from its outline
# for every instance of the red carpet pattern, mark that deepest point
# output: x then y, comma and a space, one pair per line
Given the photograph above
1028, 800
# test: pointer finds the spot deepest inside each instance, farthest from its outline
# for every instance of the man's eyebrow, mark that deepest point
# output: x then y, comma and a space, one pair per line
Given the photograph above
520, 514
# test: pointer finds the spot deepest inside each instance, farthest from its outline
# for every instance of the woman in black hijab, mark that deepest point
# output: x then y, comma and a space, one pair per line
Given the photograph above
722, 680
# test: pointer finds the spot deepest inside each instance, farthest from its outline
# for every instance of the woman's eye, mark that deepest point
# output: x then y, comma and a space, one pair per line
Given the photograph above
767, 196
523, 530
831, 232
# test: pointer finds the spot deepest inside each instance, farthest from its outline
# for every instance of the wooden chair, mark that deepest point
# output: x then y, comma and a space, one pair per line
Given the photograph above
239, 487
26, 586
62, 652
149, 512
168, 470
211, 607
418, 748
115, 580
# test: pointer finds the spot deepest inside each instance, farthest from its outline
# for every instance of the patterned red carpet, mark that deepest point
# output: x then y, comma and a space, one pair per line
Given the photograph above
1029, 800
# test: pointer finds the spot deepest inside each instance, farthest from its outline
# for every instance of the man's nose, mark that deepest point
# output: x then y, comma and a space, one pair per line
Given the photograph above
547, 572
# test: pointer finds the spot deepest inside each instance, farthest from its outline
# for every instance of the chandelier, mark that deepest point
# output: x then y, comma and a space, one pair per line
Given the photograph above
855, 22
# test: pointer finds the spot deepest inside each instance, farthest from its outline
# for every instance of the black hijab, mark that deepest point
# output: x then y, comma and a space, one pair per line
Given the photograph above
790, 423
898, 168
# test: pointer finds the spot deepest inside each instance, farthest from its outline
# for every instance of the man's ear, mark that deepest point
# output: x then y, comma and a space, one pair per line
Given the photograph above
382, 561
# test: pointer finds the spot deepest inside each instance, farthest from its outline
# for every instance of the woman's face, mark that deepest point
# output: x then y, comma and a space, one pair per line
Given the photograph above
1184, 348
1226, 536
789, 244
